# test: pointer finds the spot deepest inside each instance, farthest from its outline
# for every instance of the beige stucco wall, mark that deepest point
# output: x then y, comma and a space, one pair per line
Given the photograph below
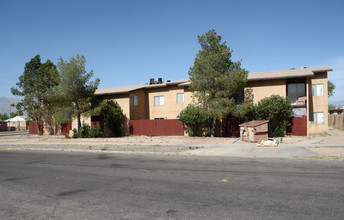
171, 108
257, 90
85, 119
139, 111
122, 100
319, 104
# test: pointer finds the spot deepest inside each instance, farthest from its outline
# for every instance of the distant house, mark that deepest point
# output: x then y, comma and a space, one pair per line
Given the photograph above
156, 100
18, 123
336, 111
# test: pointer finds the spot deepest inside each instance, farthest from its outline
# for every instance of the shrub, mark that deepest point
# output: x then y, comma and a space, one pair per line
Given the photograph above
75, 133
84, 131
195, 118
111, 114
96, 132
276, 109
66, 135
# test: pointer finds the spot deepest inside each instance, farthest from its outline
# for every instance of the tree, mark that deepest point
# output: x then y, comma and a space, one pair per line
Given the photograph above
111, 114
4, 117
331, 88
276, 109
14, 114
215, 78
330, 106
38, 78
76, 88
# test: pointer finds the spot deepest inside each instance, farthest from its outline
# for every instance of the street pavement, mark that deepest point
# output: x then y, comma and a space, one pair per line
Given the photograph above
73, 185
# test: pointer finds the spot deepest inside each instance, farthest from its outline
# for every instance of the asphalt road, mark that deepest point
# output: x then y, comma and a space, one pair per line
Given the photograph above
51, 185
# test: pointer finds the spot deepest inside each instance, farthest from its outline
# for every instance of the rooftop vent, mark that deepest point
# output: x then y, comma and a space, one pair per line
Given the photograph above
168, 80
151, 81
292, 68
159, 80
304, 67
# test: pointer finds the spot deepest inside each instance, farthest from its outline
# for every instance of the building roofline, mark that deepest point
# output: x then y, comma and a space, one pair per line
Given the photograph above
257, 76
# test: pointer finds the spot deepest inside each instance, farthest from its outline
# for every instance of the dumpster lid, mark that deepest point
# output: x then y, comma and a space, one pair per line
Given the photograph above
254, 123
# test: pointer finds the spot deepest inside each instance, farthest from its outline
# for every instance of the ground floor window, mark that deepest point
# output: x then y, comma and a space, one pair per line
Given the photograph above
317, 118
296, 90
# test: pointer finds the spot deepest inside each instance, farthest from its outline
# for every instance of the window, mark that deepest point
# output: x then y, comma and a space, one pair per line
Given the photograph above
296, 90
180, 97
133, 100
317, 118
317, 89
159, 100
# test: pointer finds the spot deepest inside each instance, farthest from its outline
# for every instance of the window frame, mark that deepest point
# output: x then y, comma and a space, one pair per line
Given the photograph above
161, 99
180, 93
134, 100
321, 85
315, 117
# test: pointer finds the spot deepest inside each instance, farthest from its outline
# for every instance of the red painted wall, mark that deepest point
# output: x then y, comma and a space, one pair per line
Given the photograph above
33, 128
3, 126
298, 126
166, 127
65, 127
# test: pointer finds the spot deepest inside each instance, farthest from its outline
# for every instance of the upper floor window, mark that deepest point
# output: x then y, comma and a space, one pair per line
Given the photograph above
180, 97
296, 90
133, 100
317, 89
159, 100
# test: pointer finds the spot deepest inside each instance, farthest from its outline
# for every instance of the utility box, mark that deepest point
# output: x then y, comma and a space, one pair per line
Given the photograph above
254, 131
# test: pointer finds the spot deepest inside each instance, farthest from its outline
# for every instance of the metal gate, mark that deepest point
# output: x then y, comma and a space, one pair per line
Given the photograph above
298, 126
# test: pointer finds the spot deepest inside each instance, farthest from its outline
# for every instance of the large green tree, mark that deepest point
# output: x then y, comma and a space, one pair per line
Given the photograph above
76, 87
215, 78
34, 85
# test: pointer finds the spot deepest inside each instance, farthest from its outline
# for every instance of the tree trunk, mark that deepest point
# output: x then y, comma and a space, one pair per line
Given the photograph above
79, 121
212, 131
39, 127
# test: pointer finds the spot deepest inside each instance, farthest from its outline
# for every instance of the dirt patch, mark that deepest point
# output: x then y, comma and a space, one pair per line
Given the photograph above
130, 139
331, 152
332, 140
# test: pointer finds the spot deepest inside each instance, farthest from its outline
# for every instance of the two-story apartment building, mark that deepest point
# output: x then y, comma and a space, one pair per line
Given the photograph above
305, 87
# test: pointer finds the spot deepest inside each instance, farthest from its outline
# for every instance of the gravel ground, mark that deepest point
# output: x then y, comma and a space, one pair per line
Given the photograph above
163, 145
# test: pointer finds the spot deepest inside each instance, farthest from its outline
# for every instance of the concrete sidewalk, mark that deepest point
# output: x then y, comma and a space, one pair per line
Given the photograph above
321, 146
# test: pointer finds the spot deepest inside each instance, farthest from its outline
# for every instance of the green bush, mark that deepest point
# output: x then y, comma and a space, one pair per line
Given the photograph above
75, 133
111, 114
195, 118
96, 132
276, 109
278, 132
84, 131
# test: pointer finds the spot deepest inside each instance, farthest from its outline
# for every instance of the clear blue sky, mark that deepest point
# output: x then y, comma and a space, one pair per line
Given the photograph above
128, 42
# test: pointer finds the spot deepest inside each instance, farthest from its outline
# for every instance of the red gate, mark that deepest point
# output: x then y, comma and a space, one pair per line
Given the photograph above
65, 127
33, 128
298, 126
166, 127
